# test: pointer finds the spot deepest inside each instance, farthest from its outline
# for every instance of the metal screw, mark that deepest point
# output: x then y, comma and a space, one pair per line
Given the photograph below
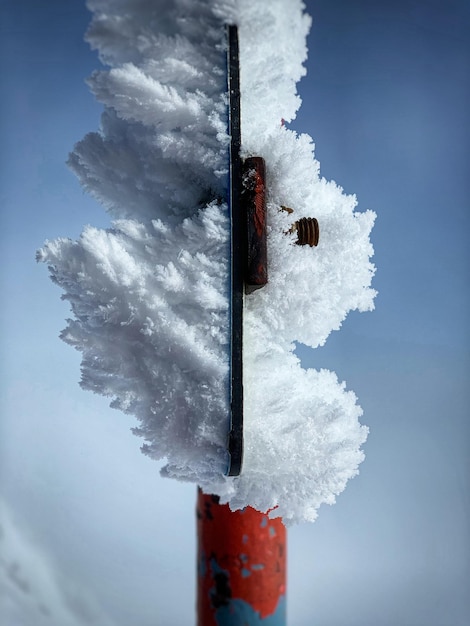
308, 231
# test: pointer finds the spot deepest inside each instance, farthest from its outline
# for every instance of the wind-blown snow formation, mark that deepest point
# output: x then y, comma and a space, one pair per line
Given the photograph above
150, 296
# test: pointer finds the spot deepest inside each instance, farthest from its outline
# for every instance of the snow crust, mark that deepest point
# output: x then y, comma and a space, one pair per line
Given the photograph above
150, 296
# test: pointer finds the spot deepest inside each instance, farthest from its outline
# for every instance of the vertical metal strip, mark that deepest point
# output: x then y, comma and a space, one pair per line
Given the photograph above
235, 442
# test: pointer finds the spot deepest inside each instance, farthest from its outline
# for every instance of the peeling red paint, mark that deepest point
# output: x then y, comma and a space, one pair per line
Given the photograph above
247, 550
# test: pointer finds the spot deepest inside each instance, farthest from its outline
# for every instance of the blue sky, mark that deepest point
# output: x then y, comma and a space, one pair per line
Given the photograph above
386, 100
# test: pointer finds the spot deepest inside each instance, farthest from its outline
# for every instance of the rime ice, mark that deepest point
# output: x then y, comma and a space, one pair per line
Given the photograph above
150, 296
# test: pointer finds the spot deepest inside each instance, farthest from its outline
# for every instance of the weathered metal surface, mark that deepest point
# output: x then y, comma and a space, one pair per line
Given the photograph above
241, 566
237, 258
253, 198
308, 231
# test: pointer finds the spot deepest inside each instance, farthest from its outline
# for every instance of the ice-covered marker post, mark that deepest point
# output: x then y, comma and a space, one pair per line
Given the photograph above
241, 555
150, 296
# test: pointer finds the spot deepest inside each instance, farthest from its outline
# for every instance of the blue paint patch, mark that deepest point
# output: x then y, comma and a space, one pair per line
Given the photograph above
245, 538
240, 612
243, 558
245, 572
272, 531
202, 566
264, 522
257, 567
216, 569
220, 594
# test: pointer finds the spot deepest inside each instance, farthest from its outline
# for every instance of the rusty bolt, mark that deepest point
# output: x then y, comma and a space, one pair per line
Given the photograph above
308, 231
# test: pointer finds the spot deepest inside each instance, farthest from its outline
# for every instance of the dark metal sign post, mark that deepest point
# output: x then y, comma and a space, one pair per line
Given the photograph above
235, 443
241, 560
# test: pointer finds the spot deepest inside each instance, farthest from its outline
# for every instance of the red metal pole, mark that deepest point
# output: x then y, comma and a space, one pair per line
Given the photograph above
241, 566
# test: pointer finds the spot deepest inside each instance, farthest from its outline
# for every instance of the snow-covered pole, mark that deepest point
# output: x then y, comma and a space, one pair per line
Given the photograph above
241, 566
175, 322
241, 554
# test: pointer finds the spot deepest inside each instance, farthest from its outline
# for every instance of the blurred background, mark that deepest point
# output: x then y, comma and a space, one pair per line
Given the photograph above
90, 533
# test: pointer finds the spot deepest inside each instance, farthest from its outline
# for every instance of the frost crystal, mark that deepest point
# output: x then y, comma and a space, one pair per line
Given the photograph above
150, 296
